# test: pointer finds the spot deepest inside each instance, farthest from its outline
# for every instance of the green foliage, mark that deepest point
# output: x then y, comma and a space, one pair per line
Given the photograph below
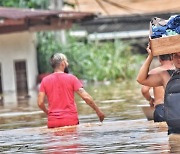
47, 45
38, 4
91, 61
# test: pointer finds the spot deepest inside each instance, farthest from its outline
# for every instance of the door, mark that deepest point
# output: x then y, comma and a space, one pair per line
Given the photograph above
21, 78
1, 90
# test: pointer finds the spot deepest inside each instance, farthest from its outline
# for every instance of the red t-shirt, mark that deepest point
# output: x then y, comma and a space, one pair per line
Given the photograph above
60, 88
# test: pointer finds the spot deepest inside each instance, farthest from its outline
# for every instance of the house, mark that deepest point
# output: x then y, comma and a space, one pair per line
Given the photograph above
18, 61
18, 65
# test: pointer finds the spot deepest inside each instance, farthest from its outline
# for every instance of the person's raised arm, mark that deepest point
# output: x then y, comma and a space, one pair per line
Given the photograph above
89, 100
144, 78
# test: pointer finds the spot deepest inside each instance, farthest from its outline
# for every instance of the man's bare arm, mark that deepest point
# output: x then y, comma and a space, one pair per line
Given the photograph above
151, 80
89, 100
41, 97
145, 90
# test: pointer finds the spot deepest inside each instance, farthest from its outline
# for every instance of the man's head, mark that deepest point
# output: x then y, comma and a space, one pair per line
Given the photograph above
165, 57
176, 60
59, 61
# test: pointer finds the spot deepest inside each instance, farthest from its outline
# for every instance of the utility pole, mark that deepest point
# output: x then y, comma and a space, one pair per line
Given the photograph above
58, 5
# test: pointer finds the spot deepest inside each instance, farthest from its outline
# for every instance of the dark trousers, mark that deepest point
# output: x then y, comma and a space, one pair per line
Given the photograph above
173, 130
159, 113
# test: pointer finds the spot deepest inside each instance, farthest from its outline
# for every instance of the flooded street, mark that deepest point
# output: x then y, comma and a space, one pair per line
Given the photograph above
125, 129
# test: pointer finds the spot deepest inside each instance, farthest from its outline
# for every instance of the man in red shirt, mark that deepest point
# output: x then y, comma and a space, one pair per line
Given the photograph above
59, 87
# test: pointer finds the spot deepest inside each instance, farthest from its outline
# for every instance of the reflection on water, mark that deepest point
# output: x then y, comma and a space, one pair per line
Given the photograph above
125, 129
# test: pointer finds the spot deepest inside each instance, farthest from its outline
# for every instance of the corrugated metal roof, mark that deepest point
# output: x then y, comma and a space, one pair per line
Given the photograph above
14, 19
15, 13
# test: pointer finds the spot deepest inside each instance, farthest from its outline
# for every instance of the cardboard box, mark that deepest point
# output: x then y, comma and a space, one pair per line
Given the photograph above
164, 45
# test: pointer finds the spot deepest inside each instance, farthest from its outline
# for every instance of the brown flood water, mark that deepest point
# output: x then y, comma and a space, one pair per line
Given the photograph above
125, 129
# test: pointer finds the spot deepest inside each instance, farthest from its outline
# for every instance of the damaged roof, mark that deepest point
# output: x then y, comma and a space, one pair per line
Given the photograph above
15, 19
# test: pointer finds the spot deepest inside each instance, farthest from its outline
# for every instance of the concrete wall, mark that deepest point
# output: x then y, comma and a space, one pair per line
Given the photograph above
13, 47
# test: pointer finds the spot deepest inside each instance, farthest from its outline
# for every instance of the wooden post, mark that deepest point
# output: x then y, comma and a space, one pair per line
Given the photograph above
60, 35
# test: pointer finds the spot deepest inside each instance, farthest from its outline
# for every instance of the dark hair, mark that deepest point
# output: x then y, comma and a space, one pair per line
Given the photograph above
165, 57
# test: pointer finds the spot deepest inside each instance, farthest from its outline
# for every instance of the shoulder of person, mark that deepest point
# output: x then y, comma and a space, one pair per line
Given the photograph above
157, 70
71, 75
46, 77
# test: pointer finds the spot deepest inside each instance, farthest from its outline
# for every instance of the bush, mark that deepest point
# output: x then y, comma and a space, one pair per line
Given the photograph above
91, 61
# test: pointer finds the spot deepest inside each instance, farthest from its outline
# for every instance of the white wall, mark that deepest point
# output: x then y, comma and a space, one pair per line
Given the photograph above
17, 46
